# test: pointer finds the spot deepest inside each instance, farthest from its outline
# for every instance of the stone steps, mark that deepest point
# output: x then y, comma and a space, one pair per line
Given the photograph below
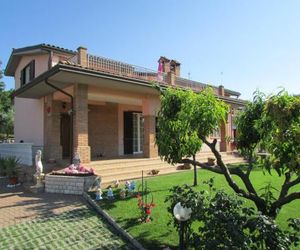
128, 169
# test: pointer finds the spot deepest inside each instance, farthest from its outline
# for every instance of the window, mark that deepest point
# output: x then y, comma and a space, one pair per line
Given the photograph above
27, 74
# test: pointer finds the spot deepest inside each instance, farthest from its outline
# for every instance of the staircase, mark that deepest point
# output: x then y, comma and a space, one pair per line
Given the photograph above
126, 169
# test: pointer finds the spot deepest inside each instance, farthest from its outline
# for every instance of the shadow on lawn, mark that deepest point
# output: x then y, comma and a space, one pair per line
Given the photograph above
152, 244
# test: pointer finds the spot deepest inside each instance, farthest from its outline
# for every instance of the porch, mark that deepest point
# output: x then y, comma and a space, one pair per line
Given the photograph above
104, 123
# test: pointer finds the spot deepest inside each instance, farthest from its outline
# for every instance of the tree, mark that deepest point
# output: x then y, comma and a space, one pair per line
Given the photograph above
6, 110
224, 222
2, 85
179, 124
276, 127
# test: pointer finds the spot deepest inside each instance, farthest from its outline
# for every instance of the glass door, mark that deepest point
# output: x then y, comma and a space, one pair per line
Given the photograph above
138, 133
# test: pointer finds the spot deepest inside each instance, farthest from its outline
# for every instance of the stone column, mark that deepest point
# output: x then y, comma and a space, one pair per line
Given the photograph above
52, 147
80, 125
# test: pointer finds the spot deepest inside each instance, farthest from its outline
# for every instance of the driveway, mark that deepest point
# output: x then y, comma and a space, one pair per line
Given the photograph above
52, 221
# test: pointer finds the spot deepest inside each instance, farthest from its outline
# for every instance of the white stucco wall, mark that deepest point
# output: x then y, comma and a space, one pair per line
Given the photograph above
22, 151
29, 113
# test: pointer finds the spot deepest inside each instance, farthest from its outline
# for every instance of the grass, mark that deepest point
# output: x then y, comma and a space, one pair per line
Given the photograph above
158, 233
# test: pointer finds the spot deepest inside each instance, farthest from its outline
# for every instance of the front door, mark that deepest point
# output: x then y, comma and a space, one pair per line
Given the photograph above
138, 133
133, 132
65, 135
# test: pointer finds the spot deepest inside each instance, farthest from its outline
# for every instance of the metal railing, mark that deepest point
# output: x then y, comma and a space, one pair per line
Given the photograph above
124, 69
185, 83
131, 71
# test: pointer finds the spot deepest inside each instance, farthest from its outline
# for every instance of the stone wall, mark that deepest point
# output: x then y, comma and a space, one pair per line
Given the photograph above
68, 184
103, 130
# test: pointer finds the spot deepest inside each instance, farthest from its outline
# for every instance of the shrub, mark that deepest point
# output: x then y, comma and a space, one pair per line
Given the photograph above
225, 223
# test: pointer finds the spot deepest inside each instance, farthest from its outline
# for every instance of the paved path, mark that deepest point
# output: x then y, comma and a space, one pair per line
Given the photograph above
51, 221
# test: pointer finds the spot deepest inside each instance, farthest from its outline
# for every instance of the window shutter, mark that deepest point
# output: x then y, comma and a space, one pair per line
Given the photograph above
32, 69
22, 78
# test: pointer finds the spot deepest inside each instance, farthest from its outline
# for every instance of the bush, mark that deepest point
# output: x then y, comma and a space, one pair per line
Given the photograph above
9, 166
225, 223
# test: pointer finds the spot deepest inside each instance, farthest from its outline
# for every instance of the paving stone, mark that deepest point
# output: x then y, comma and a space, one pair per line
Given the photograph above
51, 221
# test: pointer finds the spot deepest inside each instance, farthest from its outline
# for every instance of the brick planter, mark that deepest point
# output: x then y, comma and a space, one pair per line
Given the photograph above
68, 184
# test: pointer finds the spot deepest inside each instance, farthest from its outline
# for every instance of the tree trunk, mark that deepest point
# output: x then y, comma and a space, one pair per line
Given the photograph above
195, 172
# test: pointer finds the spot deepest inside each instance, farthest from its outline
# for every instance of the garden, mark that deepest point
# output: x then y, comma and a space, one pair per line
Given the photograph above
217, 206
159, 233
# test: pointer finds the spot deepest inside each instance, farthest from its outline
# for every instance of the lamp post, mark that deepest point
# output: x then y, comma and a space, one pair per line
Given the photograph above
182, 214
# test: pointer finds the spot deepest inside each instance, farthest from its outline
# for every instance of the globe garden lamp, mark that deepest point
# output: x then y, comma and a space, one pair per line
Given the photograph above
182, 214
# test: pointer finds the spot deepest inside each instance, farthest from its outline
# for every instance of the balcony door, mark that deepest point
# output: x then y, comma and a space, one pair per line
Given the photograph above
133, 133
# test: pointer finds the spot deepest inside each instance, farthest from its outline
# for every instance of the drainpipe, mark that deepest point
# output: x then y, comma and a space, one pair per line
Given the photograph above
72, 116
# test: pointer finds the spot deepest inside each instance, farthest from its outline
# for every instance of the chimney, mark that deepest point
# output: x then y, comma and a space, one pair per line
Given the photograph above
82, 56
175, 67
165, 64
221, 90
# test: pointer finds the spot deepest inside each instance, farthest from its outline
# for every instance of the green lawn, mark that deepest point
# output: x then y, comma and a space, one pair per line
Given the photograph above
158, 233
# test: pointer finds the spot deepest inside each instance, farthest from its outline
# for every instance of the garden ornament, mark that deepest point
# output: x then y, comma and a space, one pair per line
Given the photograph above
132, 186
38, 163
110, 194
99, 194
76, 160
127, 184
39, 169
123, 193
117, 184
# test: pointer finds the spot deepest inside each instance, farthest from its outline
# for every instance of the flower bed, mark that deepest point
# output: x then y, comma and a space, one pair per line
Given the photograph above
68, 184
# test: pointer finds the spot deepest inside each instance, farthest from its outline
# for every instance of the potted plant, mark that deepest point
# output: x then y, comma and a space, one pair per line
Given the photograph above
2, 167
12, 169
211, 161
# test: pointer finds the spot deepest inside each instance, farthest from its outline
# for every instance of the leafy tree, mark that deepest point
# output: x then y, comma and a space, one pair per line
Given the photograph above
272, 123
225, 223
2, 85
184, 115
6, 110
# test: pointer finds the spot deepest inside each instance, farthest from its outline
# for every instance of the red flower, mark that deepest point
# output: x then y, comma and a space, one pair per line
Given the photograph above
148, 211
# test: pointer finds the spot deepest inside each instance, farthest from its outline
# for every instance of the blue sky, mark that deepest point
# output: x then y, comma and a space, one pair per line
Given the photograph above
256, 44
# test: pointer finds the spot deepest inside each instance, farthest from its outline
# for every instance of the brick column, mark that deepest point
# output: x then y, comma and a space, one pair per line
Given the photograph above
80, 125
52, 147
150, 149
224, 145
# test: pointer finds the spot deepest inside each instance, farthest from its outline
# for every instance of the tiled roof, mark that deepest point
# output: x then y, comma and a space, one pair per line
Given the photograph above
44, 46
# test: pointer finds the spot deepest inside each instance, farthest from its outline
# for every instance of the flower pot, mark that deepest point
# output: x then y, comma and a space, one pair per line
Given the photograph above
13, 180
211, 161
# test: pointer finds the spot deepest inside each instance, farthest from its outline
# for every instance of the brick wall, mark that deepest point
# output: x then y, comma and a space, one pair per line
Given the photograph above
103, 130
52, 147
81, 145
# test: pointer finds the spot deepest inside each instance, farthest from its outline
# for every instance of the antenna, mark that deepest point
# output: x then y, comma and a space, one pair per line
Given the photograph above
221, 77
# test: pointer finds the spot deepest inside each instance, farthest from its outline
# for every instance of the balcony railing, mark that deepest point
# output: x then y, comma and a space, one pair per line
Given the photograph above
124, 69
131, 71
185, 83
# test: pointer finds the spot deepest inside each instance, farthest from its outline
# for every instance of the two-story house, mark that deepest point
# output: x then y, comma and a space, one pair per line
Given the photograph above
70, 101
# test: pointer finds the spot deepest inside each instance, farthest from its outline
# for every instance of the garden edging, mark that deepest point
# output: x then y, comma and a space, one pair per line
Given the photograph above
113, 223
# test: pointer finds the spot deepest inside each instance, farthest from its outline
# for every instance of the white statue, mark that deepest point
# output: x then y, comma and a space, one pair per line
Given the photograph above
39, 175
38, 163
